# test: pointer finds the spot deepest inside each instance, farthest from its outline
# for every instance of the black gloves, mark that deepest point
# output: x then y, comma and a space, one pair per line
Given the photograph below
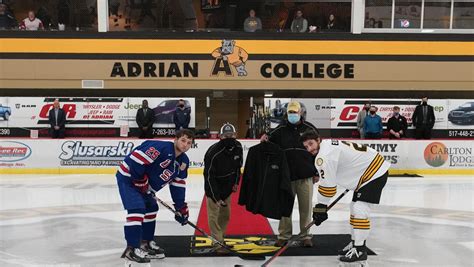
320, 213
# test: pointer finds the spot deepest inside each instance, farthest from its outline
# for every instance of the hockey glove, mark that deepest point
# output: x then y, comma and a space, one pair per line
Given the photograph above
320, 213
182, 218
141, 185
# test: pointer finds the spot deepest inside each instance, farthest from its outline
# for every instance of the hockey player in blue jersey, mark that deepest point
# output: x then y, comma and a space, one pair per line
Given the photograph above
148, 168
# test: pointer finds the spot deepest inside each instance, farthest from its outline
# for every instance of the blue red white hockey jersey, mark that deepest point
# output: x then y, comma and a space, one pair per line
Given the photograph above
156, 160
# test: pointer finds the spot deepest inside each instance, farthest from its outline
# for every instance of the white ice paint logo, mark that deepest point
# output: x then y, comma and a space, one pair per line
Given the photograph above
72, 150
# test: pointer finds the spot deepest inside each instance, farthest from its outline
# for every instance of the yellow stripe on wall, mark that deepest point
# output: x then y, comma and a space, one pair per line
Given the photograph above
433, 172
305, 47
200, 171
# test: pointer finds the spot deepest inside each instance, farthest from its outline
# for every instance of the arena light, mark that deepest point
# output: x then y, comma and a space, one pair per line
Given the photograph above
268, 94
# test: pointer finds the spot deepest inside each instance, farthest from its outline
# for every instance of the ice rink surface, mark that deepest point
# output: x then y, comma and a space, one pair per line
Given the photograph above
77, 220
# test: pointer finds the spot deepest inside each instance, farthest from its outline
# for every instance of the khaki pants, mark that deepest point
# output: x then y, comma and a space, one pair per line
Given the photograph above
303, 189
218, 218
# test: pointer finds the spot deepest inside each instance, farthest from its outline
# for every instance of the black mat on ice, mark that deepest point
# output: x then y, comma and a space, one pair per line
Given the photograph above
196, 246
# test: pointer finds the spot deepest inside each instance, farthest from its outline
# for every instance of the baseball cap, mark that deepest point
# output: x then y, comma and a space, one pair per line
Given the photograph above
294, 106
227, 128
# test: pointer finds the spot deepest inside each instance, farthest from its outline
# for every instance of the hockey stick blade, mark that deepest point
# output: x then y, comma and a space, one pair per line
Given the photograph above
234, 253
291, 240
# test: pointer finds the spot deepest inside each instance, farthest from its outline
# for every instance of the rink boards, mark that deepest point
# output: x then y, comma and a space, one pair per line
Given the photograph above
99, 156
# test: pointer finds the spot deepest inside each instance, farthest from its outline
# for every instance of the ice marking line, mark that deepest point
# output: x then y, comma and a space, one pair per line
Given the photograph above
469, 245
104, 252
14, 259
403, 260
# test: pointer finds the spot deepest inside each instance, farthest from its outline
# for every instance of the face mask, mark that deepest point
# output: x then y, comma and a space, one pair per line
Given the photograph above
293, 118
395, 113
425, 103
181, 106
228, 142
372, 112
367, 108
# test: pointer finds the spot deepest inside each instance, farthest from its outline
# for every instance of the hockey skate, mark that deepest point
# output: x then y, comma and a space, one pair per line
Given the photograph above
346, 249
355, 257
152, 250
135, 257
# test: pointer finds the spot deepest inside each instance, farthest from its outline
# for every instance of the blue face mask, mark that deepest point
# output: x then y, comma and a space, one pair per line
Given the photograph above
294, 118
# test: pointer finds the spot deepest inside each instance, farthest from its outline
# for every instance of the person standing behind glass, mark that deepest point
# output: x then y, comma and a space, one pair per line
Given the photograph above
373, 127
57, 120
181, 116
332, 24
299, 24
252, 23
423, 119
360, 119
397, 124
145, 119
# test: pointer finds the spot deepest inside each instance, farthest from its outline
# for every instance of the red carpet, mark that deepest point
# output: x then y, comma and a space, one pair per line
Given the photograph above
241, 221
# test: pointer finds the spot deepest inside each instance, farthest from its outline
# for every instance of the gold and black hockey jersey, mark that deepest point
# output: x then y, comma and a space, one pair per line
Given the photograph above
348, 165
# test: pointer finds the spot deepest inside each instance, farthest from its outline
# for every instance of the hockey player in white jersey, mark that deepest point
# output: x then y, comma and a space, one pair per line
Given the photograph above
354, 167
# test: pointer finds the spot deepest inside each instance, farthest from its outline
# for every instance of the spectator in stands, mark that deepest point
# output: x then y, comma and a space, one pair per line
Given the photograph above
397, 125
31, 23
299, 24
80, 13
145, 119
63, 13
423, 119
360, 119
182, 116
43, 15
7, 21
114, 6
146, 11
57, 120
252, 23
371, 23
332, 24
373, 124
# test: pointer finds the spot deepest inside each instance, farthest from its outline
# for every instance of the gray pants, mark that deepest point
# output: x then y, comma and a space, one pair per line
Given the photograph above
303, 189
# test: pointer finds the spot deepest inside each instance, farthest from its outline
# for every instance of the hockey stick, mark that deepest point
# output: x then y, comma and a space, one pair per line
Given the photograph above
240, 255
294, 238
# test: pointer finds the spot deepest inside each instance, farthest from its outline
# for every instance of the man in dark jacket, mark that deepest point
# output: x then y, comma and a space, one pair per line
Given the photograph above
222, 163
145, 119
302, 170
7, 20
423, 119
57, 120
181, 116
397, 125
